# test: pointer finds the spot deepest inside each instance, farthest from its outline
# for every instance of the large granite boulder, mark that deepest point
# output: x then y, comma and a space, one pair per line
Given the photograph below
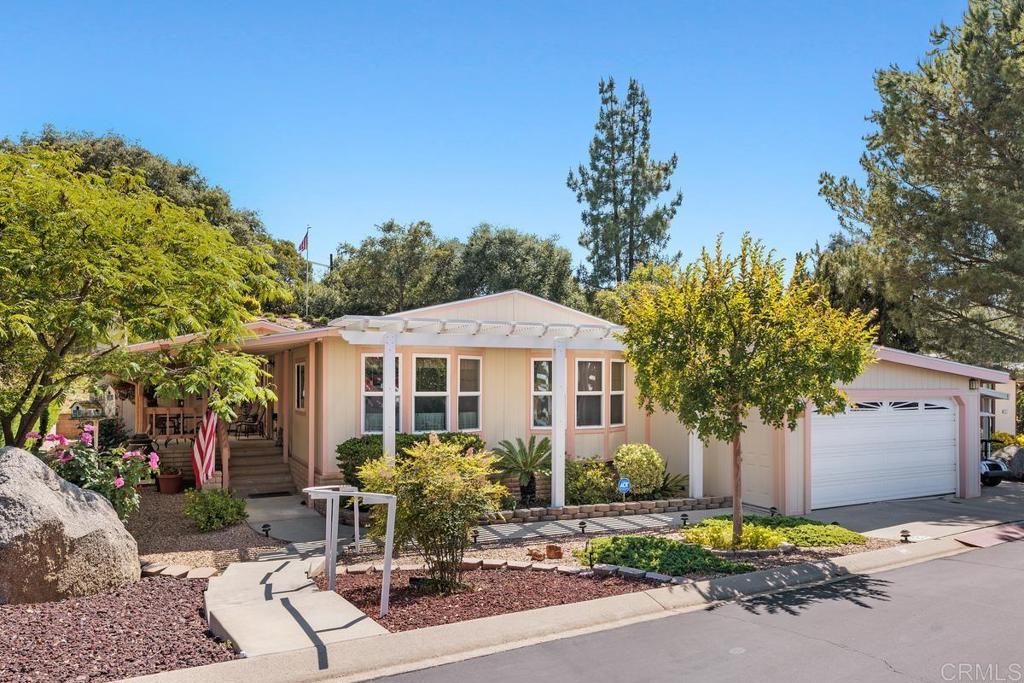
1013, 456
56, 539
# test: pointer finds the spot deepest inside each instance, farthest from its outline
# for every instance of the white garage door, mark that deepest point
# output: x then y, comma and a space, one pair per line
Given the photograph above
883, 450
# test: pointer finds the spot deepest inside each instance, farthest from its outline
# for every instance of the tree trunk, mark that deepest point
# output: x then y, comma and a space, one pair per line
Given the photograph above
737, 489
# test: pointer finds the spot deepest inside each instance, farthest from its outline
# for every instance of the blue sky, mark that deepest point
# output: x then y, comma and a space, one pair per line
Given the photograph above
342, 115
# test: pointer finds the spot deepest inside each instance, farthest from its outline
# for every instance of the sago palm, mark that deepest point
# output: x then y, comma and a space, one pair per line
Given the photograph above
524, 461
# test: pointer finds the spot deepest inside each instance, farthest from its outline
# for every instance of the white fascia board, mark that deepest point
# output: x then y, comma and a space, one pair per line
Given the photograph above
482, 341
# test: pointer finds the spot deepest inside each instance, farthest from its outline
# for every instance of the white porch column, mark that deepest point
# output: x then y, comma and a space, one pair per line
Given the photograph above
389, 395
559, 413
696, 466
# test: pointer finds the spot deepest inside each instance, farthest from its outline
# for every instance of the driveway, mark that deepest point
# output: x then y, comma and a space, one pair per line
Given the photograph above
953, 619
931, 517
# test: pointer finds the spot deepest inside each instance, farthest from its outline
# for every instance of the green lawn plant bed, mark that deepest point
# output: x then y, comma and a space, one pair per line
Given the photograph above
800, 531
657, 554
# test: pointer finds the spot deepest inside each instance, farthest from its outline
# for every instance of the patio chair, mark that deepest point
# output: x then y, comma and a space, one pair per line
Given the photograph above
252, 425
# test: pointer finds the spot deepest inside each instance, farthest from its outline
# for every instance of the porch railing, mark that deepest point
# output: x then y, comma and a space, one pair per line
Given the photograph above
172, 423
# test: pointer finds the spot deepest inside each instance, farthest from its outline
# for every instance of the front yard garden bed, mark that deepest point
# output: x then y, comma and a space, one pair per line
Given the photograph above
489, 592
150, 626
166, 536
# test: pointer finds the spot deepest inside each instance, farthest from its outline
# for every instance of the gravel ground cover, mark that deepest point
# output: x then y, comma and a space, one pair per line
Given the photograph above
165, 535
150, 626
488, 593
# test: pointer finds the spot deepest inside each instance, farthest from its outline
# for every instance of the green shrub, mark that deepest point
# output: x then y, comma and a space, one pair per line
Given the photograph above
717, 533
352, 454
672, 485
657, 554
214, 509
642, 465
524, 461
588, 481
803, 532
442, 492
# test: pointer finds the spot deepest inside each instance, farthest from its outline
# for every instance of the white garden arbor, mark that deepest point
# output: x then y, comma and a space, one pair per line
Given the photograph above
391, 332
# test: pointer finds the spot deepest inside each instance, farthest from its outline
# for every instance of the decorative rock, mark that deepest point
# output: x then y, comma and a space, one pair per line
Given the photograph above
177, 571
359, 568
470, 563
553, 551
568, 570
153, 569
492, 564
57, 540
631, 573
518, 565
544, 567
201, 572
605, 569
536, 554
660, 578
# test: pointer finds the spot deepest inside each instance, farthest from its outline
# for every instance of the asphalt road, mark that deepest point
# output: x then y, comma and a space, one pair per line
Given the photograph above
954, 619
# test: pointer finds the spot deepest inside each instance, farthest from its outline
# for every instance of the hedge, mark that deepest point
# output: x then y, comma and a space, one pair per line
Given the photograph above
357, 450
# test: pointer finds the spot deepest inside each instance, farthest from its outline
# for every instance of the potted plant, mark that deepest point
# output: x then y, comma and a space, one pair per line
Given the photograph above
525, 461
169, 480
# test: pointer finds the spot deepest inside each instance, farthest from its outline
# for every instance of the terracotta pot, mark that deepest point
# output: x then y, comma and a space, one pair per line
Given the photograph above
169, 483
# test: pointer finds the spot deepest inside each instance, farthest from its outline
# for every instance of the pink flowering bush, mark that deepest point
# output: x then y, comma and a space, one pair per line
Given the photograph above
112, 473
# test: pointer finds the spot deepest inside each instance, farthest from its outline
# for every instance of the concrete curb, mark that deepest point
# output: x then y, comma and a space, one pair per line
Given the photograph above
392, 653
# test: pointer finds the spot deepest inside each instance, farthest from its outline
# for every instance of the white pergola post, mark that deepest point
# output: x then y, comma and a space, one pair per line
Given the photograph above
696, 448
389, 395
559, 414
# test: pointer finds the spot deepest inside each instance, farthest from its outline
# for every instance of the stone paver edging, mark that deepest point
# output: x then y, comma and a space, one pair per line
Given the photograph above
391, 653
177, 571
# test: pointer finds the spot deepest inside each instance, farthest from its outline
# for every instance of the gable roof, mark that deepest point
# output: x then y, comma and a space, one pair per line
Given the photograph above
951, 367
513, 305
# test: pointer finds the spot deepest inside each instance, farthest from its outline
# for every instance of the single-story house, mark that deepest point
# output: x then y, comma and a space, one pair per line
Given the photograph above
512, 365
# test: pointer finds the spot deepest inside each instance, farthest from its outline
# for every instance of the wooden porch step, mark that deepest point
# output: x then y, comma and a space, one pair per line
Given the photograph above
239, 469
253, 460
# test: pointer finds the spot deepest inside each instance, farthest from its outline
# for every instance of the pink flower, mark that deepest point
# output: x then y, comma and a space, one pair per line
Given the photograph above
33, 435
88, 428
59, 438
154, 461
118, 482
128, 455
86, 438
65, 457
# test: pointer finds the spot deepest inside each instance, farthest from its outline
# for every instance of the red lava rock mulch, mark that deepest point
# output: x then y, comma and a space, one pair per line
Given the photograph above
491, 592
150, 626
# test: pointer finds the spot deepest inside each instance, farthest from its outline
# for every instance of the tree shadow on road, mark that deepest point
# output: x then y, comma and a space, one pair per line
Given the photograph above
862, 591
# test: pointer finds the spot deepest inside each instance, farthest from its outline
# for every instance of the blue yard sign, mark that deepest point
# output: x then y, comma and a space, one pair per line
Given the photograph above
624, 486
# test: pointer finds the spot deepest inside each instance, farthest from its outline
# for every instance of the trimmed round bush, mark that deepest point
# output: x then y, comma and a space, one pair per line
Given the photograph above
213, 509
588, 481
717, 534
642, 465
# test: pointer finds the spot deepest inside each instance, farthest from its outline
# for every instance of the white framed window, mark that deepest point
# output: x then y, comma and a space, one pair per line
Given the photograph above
430, 393
300, 387
372, 391
540, 393
617, 394
589, 392
469, 392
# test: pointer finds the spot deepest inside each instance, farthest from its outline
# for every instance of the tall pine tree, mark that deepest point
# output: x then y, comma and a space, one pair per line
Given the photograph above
619, 188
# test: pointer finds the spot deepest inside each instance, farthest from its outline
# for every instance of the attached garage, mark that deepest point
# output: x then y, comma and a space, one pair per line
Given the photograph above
884, 450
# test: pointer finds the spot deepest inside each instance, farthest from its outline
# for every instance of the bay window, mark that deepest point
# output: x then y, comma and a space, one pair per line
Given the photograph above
373, 393
541, 394
589, 393
468, 400
430, 394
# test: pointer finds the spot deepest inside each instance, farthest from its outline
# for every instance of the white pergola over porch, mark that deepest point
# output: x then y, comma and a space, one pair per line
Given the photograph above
391, 332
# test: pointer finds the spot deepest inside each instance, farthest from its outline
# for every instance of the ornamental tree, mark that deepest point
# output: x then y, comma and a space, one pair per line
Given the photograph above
90, 262
726, 335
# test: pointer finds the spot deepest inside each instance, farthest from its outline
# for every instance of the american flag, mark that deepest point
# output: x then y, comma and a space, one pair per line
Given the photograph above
203, 449
304, 244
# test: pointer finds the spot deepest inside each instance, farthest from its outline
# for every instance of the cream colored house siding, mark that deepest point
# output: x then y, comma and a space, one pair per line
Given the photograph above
513, 305
794, 468
506, 395
1006, 411
341, 384
886, 375
298, 431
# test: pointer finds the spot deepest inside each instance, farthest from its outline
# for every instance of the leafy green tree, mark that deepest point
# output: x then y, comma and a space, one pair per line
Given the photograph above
727, 335
402, 267
853, 274
499, 259
618, 187
943, 197
89, 262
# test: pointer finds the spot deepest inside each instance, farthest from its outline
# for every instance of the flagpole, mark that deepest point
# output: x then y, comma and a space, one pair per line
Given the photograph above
307, 271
